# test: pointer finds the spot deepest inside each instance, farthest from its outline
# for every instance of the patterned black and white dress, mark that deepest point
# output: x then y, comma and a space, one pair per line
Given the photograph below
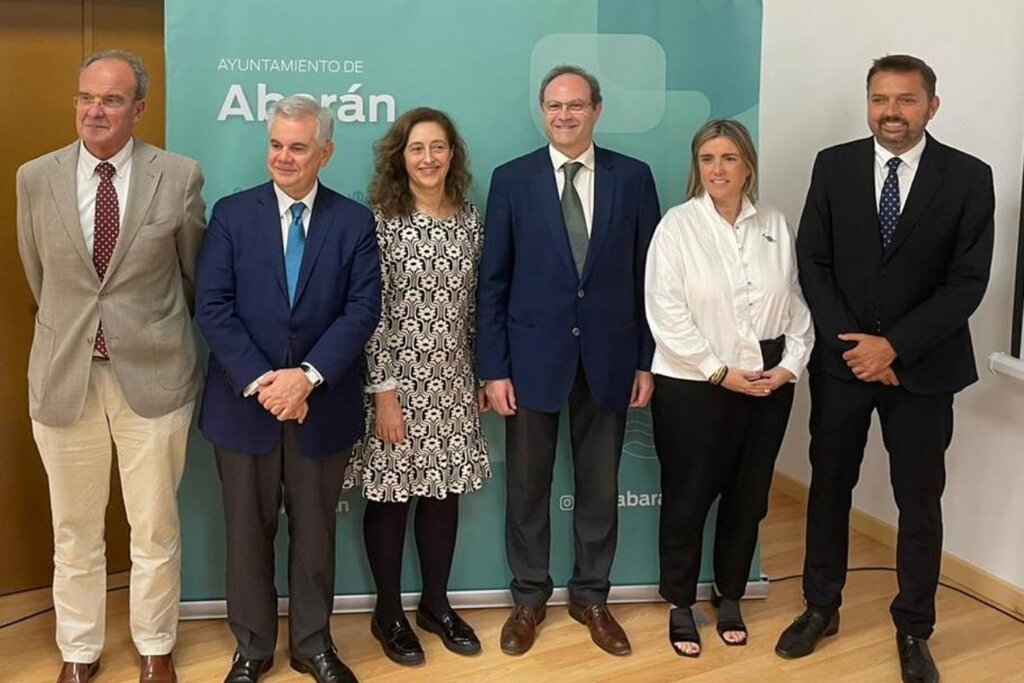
423, 349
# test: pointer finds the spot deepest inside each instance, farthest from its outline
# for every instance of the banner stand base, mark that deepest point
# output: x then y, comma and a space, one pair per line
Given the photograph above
348, 604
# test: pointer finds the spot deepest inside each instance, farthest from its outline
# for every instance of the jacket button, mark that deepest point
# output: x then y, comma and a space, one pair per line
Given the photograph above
580, 293
291, 335
575, 331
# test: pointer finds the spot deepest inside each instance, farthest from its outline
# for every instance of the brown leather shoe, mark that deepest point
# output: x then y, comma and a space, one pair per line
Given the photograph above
78, 672
604, 630
520, 629
157, 669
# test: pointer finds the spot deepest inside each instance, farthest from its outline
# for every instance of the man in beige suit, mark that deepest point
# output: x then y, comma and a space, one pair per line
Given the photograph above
108, 231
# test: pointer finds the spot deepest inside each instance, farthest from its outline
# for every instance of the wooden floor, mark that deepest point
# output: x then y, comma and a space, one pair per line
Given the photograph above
972, 644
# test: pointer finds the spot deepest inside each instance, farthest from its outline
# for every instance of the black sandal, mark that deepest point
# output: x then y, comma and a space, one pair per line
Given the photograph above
729, 619
682, 629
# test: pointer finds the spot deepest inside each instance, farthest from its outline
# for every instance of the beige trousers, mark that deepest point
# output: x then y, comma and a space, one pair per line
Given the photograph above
150, 458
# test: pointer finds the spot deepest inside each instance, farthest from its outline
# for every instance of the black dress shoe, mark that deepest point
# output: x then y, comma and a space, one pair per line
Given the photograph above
398, 641
456, 634
801, 637
245, 670
325, 668
916, 661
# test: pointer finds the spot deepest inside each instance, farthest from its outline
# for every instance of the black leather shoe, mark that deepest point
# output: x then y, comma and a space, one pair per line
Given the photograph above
916, 661
247, 670
398, 641
325, 668
456, 634
801, 637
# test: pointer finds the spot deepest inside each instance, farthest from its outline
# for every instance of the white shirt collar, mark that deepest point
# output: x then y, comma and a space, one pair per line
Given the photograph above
284, 202
87, 162
558, 159
911, 157
746, 210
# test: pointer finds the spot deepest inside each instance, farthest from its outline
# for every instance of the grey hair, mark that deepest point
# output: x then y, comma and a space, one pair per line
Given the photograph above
563, 69
297, 106
129, 58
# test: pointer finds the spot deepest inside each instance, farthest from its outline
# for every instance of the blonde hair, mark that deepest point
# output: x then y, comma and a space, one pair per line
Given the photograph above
740, 136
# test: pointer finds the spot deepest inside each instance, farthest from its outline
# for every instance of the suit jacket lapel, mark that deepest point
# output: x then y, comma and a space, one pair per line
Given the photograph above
320, 220
268, 233
64, 190
927, 180
862, 184
545, 192
145, 178
604, 199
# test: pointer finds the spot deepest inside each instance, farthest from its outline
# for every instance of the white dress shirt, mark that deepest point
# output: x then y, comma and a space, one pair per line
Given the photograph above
284, 209
583, 181
713, 291
906, 171
89, 183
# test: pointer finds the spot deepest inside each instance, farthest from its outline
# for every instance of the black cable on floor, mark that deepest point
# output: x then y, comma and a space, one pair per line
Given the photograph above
46, 610
781, 579
961, 591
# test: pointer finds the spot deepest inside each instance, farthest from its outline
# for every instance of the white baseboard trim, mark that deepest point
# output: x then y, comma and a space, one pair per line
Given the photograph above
347, 604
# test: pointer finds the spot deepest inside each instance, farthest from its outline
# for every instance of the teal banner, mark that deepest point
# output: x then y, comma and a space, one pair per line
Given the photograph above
665, 67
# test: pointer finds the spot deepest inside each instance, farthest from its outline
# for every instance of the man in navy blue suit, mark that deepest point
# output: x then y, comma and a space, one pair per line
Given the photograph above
288, 292
561, 321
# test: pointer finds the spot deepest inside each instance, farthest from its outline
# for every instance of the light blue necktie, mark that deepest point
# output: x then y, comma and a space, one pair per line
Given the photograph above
889, 203
294, 248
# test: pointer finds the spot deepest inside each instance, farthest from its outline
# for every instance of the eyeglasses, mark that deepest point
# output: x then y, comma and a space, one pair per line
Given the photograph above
110, 102
574, 107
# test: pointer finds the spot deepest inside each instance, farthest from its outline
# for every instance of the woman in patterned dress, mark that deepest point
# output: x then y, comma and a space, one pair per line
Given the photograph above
423, 439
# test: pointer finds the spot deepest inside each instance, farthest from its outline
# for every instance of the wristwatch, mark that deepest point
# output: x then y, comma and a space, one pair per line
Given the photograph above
314, 377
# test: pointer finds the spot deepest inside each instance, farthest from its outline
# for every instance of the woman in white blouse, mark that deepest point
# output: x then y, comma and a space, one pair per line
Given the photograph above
733, 334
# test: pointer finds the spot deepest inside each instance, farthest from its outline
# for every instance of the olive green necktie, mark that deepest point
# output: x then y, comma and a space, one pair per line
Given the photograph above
572, 214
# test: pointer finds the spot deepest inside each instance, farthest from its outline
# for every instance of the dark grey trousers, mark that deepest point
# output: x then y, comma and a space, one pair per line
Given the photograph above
254, 486
596, 437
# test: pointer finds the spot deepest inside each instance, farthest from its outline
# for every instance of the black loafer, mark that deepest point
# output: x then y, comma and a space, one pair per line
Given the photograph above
398, 641
802, 636
245, 670
916, 661
325, 668
456, 634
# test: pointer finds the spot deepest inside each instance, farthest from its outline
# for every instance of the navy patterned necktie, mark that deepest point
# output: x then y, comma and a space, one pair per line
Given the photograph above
293, 249
889, 203
572, 214
106, 227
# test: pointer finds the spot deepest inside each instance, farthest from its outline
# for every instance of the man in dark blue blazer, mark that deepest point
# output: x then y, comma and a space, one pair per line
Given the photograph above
561, 321
895, 246
288, 292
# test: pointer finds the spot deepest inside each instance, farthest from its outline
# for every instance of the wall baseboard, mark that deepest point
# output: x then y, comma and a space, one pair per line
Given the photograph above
955, 570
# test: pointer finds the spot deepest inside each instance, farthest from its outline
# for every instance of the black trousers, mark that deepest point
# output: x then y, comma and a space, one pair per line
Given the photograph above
916, 430
713, 443
596, 437
253, 486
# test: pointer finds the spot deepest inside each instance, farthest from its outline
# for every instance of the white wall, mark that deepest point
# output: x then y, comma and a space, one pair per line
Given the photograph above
816, 54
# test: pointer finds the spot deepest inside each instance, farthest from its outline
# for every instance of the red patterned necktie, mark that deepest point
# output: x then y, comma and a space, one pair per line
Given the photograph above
108, 218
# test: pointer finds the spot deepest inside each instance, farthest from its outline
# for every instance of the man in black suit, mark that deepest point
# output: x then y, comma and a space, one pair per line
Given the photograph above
894, 250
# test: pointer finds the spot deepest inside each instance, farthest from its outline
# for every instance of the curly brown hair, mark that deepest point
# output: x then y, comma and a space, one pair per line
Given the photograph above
389, 190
